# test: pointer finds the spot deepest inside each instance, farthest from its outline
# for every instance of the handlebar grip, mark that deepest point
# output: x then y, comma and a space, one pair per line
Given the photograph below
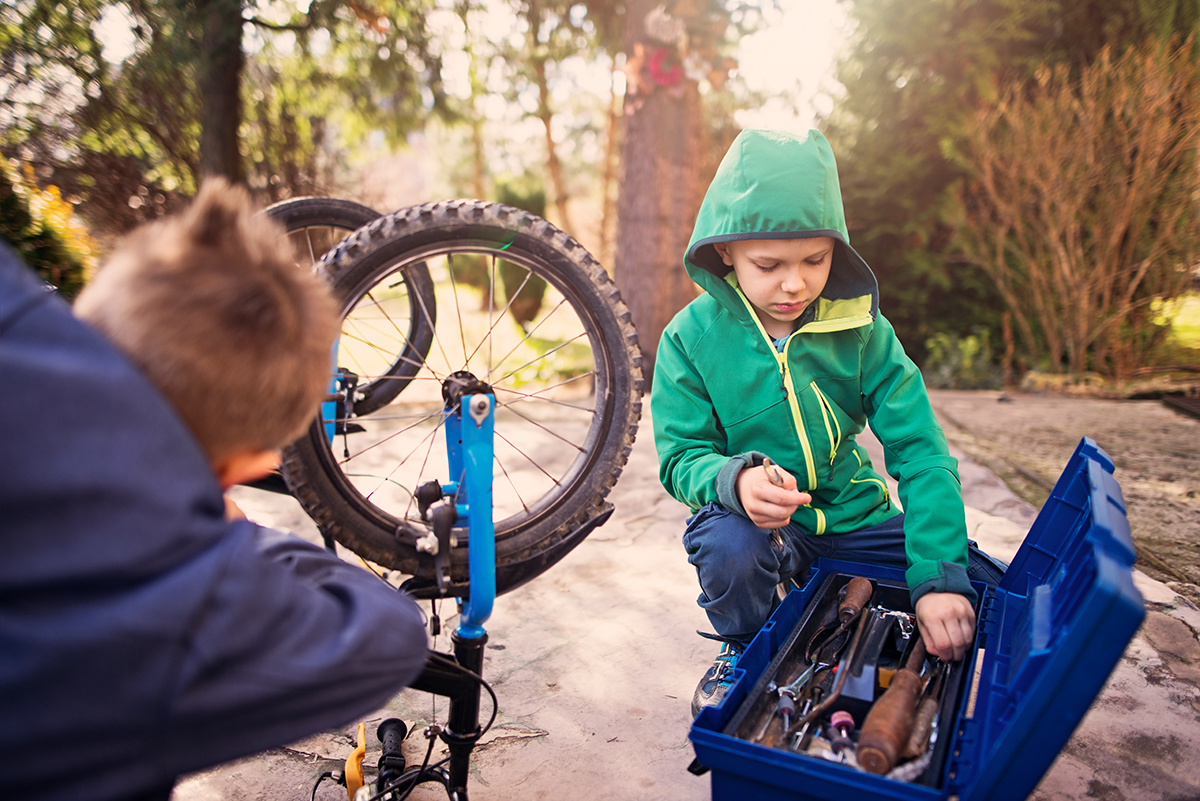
391, 734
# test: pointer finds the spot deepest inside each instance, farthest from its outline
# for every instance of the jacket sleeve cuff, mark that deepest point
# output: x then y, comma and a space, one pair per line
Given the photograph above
951, 577
727, 480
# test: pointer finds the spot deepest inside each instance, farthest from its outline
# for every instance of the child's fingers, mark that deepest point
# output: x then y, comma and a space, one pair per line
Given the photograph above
947, 624
777, 512
779, 477
785, 498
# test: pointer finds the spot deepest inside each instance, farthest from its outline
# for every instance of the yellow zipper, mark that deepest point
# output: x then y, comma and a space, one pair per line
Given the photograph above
797, 418
887, 496
826, 414
790, 391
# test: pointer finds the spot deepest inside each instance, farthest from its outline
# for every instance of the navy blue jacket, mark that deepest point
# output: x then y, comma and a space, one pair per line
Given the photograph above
141, 634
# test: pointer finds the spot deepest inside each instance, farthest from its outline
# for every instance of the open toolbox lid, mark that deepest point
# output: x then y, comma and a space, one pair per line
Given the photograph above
1050, 635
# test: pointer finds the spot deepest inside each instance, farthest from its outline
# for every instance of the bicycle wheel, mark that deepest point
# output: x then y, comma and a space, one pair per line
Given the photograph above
315, 225
565, 370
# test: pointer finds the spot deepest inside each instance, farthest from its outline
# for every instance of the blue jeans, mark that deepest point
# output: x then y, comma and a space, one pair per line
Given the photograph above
739, 567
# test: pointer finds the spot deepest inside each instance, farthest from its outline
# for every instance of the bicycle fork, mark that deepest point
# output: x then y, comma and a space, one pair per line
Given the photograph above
470, 425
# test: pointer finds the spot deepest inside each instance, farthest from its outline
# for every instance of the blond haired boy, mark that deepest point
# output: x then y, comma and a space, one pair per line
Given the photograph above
144, 634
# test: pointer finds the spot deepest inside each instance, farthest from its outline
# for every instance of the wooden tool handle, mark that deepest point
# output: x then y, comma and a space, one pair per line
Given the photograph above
918, 740
889, 724
858, 594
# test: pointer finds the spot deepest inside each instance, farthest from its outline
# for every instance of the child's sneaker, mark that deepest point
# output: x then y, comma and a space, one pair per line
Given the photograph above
718, 678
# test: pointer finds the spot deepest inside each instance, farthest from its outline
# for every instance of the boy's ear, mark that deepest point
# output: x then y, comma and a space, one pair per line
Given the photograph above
244, 466
722, 249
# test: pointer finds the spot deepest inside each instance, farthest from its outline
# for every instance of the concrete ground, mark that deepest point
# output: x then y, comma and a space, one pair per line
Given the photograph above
595, 661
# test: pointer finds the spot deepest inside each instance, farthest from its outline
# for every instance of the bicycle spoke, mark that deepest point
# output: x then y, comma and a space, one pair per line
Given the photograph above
462, 334
352, 330
528, 458
382, 310
523, 396
390, 437
377, 377
428, 314
549, 431
512, 484
312, 256
529, 335
429, 439
493, 323
541, 356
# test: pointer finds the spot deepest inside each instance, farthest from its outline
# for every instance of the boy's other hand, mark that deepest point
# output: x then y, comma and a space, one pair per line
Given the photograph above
767, 505
232, 510
947, 623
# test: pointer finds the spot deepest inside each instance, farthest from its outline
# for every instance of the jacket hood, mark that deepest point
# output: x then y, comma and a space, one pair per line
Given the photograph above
780, 185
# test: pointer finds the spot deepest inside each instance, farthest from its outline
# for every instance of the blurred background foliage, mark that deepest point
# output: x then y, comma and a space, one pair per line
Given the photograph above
915, 77
608, 117
42, 228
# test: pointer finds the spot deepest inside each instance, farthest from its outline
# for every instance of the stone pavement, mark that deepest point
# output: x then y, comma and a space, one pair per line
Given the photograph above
595, 661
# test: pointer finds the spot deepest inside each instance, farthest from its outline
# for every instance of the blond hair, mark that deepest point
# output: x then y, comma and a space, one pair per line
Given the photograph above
211, 305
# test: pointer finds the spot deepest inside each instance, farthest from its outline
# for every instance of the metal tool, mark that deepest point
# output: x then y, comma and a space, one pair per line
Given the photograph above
842, 724
799, 739
777, 479
827, 700
926, 716
855, 596
795, 689
789, 696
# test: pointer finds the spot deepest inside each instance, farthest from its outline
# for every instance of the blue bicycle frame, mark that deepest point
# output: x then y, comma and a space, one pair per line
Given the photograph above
469, 444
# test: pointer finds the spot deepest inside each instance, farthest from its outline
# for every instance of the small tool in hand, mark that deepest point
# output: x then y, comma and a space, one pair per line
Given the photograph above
777, 479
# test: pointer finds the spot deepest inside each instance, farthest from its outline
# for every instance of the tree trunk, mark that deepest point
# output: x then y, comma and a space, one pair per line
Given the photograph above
607, 179
221, 63
660, 194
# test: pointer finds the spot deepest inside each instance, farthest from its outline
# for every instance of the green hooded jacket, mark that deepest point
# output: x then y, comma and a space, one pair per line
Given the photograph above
724, 396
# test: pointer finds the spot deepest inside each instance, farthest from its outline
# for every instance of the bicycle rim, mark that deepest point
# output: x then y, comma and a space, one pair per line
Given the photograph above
315, 225
523, 308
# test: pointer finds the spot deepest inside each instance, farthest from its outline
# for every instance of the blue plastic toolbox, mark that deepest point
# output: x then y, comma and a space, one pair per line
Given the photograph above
1047, 639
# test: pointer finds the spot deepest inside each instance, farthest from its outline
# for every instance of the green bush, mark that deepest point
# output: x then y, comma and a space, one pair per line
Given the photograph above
955, 362
38, 242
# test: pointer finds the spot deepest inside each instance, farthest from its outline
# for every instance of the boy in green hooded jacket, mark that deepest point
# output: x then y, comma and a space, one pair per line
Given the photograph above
786, 357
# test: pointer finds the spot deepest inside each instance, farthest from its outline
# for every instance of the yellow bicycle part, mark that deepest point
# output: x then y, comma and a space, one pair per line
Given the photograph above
353, 772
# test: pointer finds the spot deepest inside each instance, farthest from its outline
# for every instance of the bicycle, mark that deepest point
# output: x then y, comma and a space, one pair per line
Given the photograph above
430, 296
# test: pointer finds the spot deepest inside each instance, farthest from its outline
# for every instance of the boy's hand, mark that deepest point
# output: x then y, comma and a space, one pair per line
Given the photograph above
232, 510
947, 623
767, 505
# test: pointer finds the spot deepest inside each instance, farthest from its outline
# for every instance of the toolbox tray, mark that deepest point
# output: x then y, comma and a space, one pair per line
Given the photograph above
1046, 641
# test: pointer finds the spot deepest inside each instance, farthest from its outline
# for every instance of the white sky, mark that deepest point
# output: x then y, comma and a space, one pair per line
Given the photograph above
796, 52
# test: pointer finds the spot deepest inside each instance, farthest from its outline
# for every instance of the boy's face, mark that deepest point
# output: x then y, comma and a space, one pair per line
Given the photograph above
780, 277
